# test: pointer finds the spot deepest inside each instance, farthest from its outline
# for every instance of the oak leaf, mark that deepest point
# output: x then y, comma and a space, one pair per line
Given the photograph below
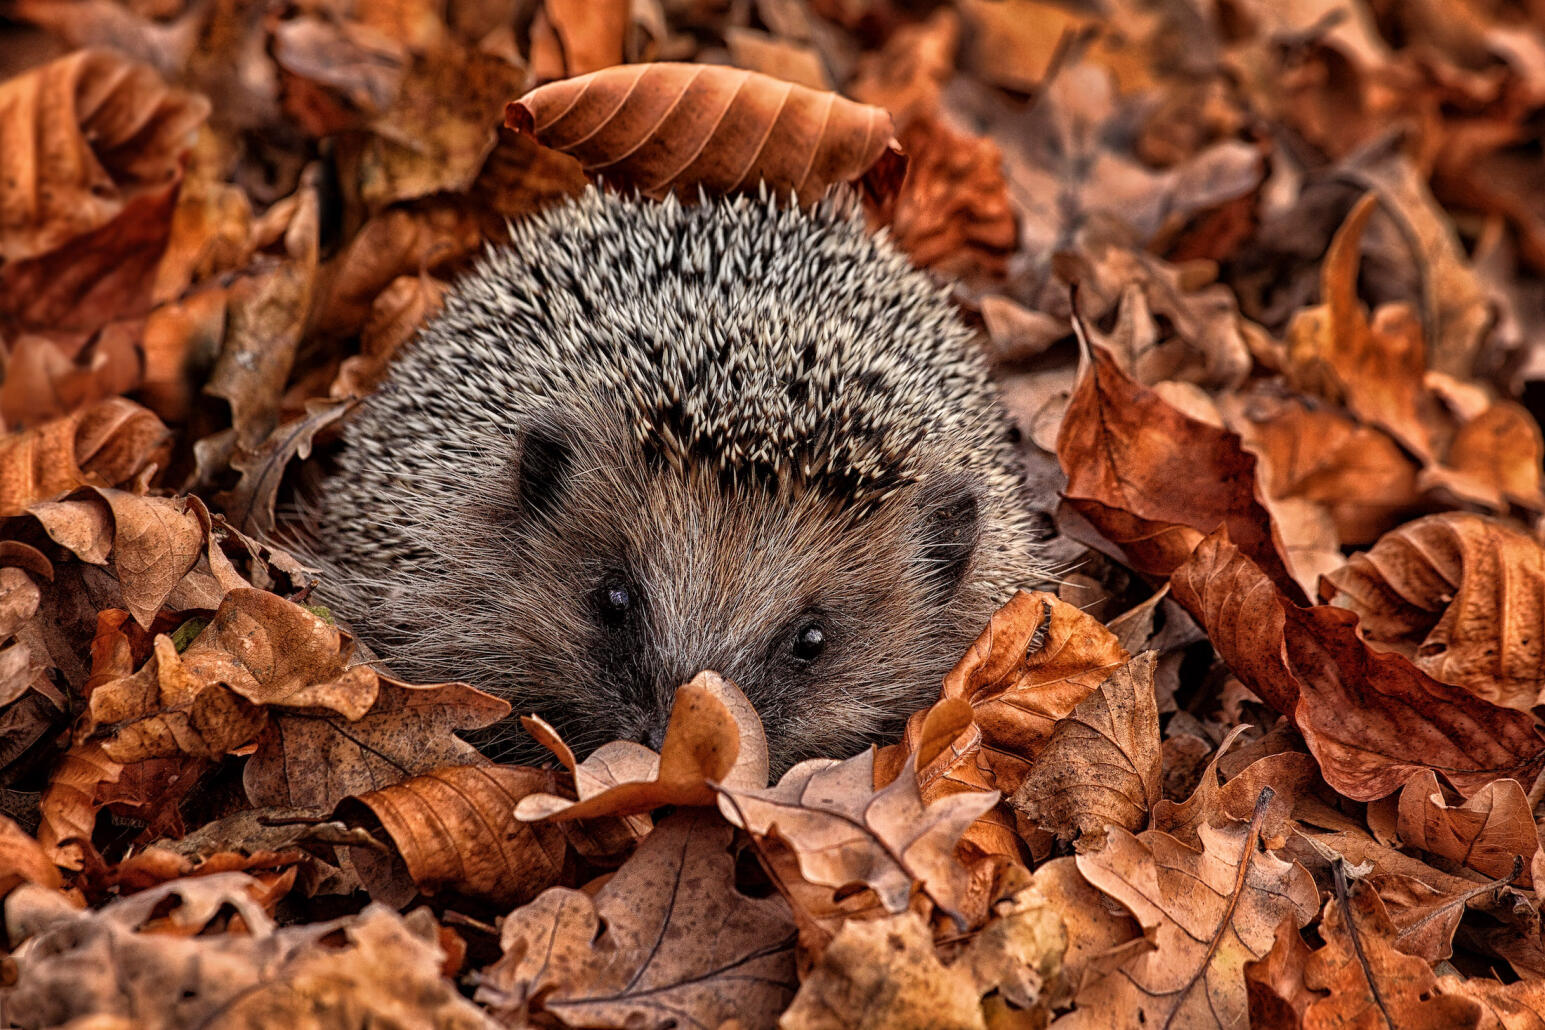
1101, 767
666, 940
1460, 595
668, 127
1207, 913
1370, 983
110, 965
456, 830
842, 830
1369, 719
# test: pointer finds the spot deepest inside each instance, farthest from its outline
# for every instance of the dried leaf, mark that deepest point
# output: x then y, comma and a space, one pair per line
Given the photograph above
1208, 912
1032, 665
1493, 832
313, 758
83, 138
107, 444
1371, 720
1461, 596
1155, 481
456, 830
23, 860
370, 968
1101, 767
714, 737
1377, 370
250, 504
1275, 982
1494, 460
667, 127
1370, 983
668, 938
844, 831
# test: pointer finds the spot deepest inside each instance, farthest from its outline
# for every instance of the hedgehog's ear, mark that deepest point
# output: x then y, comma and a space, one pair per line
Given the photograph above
542, 468
950, 532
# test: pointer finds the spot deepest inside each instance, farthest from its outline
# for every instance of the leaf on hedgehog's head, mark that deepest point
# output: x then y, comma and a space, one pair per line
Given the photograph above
674, 128
714, 736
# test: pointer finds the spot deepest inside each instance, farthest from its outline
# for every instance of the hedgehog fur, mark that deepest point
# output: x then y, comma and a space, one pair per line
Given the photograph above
645, 439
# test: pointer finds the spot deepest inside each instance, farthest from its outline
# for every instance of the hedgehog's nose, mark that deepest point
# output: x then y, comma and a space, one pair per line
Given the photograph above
652, 734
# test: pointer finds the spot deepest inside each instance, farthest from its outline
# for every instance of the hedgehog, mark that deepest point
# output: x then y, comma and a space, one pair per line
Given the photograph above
645, 439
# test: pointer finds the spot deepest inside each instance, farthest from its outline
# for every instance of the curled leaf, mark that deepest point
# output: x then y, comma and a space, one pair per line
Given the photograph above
668, 127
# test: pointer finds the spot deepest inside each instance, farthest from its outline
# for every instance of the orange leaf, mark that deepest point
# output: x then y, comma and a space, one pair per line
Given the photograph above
106, 444
456, 829
668, 127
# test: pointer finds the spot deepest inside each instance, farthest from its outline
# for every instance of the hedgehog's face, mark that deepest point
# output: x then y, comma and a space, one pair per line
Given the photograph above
837, 624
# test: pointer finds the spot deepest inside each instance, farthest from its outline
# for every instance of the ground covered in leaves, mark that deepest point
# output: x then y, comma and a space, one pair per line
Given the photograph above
1261, 282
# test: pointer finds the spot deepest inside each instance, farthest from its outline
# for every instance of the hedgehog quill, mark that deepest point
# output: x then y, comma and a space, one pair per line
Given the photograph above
645, 439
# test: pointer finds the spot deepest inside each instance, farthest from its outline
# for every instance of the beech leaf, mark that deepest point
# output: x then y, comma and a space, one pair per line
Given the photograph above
669, 127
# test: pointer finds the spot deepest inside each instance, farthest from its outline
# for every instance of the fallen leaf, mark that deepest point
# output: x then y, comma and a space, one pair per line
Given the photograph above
456, 830
97, 967
882, 973
1514, 1006
313, 758
1275, 982
1492, 832
1494, 460
1378, 370
1370, 983
84, 138
1101, 767
676, 127
1155, 481
952, 213
1208, 912
108, 444
1036, 660
23, 860
249, 505
1371, 720
713, 739
591, 32
666, 938
844, 831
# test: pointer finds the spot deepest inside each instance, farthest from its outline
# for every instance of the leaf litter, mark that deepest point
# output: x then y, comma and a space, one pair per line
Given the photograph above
1261, 283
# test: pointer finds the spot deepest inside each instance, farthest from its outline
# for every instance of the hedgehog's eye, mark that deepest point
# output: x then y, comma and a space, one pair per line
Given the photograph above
809, 642
615, 598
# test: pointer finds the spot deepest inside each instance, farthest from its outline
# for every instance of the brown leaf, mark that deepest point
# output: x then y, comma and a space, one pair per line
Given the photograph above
668, 938
1425, 916
714, 737
1377, 370
1155, 481
1032, 665
69, 806
668, 127
1461, 596
882, 973
1514, 1006
1101, 767
313, 758
1100, 934
107, 444
395, 317
953, 211
1275, 982
456, 830
844, 831
1370, 983
23, 860
1494, 460
249, 505
591, 32
1208, 912
83, 138
110, 969
1492, 832
1371, 720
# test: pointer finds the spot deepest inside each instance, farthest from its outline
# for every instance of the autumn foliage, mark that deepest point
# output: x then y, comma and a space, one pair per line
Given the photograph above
1260, 283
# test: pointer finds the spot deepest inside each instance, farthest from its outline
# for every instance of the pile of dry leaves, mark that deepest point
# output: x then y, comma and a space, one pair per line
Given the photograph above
1262, 283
